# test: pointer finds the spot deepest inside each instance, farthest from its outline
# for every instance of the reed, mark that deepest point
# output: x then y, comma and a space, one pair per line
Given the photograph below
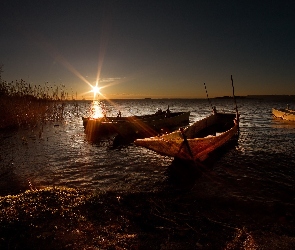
24, 104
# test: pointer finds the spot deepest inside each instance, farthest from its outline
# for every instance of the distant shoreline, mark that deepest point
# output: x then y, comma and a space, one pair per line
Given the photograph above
261, 97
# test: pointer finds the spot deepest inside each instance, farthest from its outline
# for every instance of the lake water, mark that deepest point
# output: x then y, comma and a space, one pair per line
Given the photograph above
249, 182
259, 167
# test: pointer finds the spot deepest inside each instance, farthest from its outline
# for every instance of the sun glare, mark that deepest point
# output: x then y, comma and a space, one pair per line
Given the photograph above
95, 90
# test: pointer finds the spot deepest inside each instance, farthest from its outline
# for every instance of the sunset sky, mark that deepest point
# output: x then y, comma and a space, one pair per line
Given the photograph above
154, 49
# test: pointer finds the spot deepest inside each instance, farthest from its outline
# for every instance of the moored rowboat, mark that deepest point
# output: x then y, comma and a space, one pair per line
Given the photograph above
134, 126
96, 128
153, 126
285, 114
121, 118
197, 141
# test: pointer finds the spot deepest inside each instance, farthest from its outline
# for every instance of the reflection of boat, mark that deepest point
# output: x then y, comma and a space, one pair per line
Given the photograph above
285, 114
97, 128
282, 124
134, 126
196, 141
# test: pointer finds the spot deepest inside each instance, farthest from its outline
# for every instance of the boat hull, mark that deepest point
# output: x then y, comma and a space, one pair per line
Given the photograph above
135, 126
285, 114
152, 127
197, 141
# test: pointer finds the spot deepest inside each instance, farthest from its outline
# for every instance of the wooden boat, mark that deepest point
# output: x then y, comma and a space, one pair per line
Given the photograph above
285, 114
121, 118
105, 126
134, 126
152, 126
196, 141
96, 129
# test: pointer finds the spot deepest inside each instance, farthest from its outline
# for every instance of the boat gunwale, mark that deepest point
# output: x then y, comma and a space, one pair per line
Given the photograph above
179, 134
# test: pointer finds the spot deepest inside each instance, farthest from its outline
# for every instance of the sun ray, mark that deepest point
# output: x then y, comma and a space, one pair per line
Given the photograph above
57, 56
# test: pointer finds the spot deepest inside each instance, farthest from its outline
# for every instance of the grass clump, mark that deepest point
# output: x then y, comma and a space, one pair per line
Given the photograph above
22, 104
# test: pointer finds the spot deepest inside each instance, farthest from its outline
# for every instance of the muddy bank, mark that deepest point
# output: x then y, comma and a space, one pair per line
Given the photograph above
63, 218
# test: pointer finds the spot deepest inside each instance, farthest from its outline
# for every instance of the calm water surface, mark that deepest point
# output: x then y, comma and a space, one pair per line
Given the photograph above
259, 167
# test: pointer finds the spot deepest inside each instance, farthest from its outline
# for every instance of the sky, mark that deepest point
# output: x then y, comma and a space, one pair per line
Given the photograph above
154, 49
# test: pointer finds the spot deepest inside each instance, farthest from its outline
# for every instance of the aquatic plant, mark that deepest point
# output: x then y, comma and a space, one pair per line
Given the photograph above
24, 104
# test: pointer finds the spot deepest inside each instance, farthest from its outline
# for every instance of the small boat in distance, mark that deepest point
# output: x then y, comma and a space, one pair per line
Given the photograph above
285, 114
196, 141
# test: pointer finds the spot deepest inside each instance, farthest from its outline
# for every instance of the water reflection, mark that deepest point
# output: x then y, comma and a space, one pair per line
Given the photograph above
98, 109
62, 155
284, 124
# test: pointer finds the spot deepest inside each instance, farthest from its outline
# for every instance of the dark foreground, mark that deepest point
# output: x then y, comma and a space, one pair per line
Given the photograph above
63, 218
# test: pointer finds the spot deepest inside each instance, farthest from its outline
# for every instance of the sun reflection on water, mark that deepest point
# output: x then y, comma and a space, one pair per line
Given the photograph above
97, 109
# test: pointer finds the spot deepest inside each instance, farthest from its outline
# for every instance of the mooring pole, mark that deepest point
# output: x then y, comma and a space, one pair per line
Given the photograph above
208, 97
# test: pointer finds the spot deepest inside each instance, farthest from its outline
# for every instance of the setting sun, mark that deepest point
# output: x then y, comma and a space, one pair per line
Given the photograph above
95, 90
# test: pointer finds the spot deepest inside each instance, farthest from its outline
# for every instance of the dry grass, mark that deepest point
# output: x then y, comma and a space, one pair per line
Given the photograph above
24, 105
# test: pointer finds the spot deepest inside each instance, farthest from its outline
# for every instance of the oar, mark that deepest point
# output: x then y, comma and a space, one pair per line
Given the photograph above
185, 141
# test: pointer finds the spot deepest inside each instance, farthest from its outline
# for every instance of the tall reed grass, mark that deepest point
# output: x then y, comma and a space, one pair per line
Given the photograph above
23, 104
